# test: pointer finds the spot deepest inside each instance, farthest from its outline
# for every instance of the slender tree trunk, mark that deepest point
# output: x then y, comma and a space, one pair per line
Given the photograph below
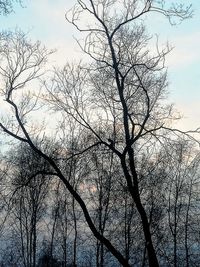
65, 251
175, 228
125, 230
30, 247
64, 232
186, 227
34, 243
75, 233
101, 255
21, 233
175, 249
53, 231
97, 253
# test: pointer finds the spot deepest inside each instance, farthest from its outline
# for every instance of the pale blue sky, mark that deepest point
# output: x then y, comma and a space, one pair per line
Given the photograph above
45, 20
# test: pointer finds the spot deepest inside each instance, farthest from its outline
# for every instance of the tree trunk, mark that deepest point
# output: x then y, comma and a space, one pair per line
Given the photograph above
134, 191
75, 233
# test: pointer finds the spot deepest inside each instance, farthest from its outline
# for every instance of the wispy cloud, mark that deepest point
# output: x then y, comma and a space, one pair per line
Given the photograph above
190, 112
186, 51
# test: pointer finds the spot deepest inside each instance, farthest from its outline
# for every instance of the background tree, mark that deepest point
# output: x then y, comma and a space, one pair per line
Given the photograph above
6, 6
31, 189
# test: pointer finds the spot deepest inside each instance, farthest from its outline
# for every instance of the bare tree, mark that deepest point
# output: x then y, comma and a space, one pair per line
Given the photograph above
6, 6
30, 191
116, 100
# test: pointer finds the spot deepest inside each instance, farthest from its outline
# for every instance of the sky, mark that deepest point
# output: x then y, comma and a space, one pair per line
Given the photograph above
44, 20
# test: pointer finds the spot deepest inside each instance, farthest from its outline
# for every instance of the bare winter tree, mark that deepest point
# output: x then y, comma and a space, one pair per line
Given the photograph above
115, 100
6, 6
30, 192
